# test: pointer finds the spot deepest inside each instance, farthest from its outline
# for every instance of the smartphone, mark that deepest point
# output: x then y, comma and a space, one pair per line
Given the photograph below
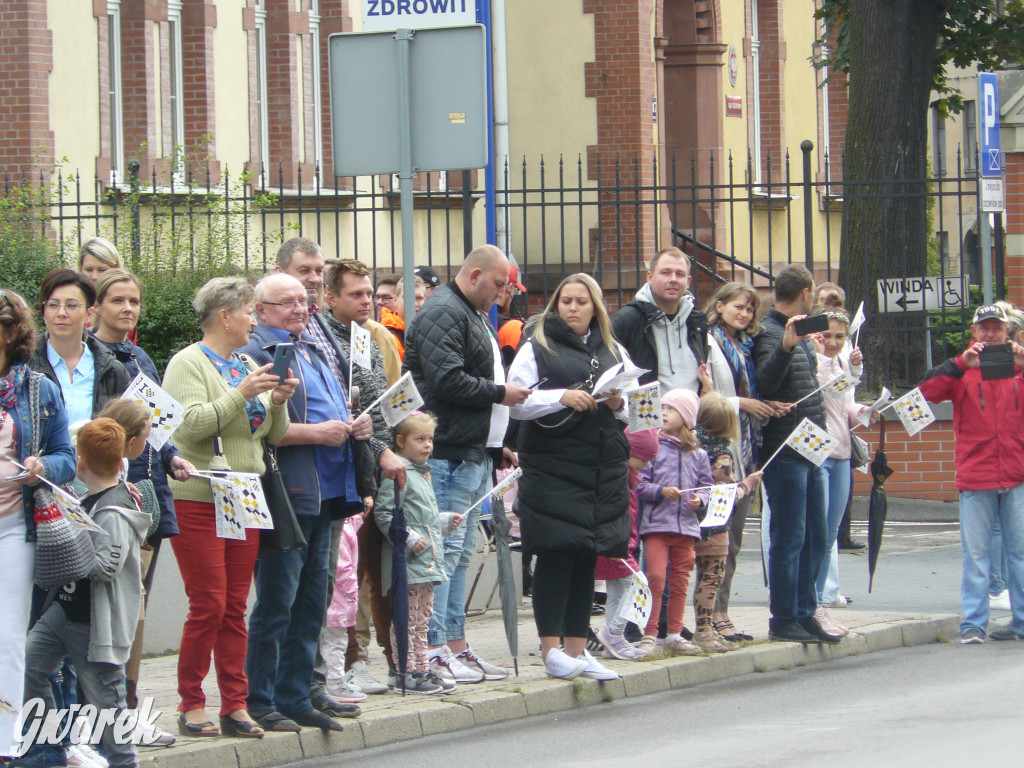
996, 361
812, 324
283, 356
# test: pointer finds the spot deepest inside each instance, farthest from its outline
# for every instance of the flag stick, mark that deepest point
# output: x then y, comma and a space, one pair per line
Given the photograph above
763, 466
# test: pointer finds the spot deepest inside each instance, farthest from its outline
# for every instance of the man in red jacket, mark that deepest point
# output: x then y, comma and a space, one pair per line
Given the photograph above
988, 421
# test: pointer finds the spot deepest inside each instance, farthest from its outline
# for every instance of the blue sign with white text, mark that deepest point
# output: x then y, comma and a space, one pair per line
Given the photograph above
988, 125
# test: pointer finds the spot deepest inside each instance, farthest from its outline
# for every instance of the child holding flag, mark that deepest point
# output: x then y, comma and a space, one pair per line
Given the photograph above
718, 432
676, 487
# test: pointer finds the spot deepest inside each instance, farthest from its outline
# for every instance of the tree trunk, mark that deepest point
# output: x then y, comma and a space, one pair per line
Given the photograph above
892, 61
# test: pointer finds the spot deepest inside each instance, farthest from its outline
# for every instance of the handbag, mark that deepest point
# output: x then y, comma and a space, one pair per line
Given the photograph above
286, 535
64, 552
858, 452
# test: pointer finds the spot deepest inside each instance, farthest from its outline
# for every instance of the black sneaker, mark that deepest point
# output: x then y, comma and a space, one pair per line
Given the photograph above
851, 545
790, 632
1005, 633
822, 635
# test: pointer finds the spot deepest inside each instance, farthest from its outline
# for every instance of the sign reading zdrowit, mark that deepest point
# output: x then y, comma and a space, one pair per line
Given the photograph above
387, 15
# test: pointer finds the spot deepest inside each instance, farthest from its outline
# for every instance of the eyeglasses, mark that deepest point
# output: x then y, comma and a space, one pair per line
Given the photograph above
293, 304
71, 307
383, 298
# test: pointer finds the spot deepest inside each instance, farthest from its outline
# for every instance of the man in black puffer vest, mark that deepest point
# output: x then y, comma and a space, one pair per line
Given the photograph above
787, 371
452, 352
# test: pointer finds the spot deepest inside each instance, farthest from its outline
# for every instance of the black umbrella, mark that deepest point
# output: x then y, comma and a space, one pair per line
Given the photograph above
877, 505
397, 533
508, 594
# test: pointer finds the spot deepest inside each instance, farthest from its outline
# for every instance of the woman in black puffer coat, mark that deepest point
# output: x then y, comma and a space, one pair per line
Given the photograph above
573, 499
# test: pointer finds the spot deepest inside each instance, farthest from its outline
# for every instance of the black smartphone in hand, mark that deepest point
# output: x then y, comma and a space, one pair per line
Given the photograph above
283, 356
812, 324
996, 361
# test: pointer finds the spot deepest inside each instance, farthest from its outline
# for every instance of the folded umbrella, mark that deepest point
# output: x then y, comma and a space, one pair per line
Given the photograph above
877, 504
501, 526
397, 533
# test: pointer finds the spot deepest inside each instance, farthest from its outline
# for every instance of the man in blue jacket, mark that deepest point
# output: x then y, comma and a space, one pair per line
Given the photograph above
316, 460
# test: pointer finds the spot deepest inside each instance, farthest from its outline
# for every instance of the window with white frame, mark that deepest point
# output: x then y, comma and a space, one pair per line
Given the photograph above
938, 143
262, 115
176, 89
113, 88
318, 116
755, 99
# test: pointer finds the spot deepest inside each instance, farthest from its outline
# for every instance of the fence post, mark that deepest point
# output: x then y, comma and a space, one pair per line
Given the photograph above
806, 146
133, 182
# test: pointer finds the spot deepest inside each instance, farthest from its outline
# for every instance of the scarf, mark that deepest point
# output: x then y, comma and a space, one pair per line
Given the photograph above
741, 362
10, 384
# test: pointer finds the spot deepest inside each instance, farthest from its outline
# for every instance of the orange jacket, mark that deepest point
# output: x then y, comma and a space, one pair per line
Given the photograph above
396, 324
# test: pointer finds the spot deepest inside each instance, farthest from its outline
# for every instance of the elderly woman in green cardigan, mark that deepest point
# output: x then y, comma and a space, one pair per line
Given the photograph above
244, 405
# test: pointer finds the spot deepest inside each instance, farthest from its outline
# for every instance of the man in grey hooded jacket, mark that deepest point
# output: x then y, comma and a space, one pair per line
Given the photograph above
662, 329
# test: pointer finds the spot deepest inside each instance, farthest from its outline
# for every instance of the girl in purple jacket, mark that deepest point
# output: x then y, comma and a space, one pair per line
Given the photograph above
675, 489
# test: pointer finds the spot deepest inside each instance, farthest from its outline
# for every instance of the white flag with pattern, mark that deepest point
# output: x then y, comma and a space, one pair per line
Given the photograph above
914, 411
359, 349
841, 384
720, 505
400, 400
636, 606
812, 442
645, 408
168, 413
858, 320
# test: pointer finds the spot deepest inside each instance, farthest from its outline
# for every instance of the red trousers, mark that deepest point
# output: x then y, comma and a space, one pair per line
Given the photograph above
217, 574
672, 552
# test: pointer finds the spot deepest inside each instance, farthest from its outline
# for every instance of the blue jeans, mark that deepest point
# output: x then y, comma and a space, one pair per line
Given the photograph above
979, 511
456, 485
798, 530
284, 631
837, 491
997, 574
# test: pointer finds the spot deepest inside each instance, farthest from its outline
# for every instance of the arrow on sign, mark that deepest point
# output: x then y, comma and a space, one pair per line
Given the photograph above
903, 301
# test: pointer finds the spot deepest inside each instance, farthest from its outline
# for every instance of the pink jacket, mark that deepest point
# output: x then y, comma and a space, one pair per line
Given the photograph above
608, 569
342, 609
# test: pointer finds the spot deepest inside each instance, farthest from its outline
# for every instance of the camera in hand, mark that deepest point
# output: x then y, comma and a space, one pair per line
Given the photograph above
996, 361
812, 324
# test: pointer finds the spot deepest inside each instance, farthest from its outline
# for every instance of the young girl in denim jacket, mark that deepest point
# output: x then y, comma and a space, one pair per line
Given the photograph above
674, 489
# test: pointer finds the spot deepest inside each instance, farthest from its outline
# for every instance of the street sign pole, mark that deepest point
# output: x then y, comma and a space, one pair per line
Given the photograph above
990, 166
405, 173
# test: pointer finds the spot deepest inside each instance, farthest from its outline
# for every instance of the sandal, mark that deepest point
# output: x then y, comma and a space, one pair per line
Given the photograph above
243, 729
198, 730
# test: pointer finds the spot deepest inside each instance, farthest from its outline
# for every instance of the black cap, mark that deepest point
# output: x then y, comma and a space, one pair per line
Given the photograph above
428, 276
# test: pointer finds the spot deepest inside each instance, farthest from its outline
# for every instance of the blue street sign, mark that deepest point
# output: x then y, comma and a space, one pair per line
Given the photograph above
988, 125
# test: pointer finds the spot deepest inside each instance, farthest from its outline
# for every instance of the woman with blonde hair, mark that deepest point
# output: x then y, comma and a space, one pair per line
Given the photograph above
96, 256
573, 500
732, 325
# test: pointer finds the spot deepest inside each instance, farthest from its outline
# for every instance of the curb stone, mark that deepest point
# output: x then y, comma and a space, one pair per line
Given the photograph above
518, 700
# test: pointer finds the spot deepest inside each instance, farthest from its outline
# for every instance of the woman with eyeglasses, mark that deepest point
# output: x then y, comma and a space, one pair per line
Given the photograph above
55, 461
87, 372
118, 305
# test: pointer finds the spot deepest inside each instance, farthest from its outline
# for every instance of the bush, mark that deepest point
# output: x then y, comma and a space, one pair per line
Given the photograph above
27, 252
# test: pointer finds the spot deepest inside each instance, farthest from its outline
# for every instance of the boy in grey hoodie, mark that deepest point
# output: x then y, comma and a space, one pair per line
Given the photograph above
93, 620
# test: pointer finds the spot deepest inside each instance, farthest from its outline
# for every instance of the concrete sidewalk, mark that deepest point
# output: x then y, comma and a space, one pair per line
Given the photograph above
389, 718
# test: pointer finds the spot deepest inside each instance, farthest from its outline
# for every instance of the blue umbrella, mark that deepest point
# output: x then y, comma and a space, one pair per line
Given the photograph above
397, 533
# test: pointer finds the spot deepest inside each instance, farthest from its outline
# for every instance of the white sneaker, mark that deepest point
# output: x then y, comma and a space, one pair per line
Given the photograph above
86, 756
561, 665
346, 692
359, 676
1000, 602
595, 669
490, 671
445, 659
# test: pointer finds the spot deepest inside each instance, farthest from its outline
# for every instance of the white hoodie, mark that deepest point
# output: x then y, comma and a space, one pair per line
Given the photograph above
677, 367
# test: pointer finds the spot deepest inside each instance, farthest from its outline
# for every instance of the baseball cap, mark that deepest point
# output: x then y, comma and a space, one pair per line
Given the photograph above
428, 276
513, 278
989, 312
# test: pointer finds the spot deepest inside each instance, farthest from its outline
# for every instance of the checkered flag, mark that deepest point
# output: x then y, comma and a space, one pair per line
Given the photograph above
720, 505
645, 408
168, 413
914, 411
812, 442
359, 350
70, 507
400, 400
228, 508
841, 384
636, 606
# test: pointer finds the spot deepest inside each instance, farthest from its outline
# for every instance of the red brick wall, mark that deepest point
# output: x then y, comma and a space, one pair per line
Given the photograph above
25, 50
138, 78
285, 110
623, 79
923, 464
772, 87
198, 20
1013, 174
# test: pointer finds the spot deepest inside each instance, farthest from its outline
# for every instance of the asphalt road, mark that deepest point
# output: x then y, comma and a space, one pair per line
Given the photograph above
935, 705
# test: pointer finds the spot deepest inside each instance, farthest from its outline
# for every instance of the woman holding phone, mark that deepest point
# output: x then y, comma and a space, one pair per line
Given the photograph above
231, 407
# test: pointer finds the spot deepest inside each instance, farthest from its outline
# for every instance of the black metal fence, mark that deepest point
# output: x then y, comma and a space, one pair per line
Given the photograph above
604, 216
